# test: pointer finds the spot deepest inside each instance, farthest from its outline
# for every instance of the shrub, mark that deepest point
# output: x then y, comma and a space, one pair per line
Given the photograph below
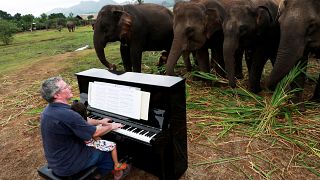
7, 29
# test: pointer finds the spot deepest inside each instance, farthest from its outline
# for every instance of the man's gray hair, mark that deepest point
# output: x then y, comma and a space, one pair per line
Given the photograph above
49, 88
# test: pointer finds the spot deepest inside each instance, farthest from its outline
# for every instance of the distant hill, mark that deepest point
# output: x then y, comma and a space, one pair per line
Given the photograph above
84, 7
92, 7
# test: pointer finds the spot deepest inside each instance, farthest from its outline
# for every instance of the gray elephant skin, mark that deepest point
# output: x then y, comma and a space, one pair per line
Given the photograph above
71, 26
143, 27
250, 26
197, 26
300, 34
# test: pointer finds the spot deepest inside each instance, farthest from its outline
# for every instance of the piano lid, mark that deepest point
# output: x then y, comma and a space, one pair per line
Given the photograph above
141, 78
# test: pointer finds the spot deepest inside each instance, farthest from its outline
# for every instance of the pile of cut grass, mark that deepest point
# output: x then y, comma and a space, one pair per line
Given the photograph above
275, 117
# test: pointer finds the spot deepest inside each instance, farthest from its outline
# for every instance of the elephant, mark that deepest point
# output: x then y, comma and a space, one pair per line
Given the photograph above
300, 34
140, 27
250, 26
71, 26
197, 26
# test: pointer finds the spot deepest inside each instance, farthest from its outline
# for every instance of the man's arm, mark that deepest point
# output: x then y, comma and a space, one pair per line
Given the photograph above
97, 122
103, 129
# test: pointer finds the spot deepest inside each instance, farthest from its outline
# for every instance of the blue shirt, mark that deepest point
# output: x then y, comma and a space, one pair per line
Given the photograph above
63, 134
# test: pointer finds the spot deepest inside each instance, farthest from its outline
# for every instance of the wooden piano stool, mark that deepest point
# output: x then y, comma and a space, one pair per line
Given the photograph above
47, 174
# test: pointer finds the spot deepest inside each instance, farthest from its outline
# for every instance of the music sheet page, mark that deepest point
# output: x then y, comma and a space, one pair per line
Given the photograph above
119, 99
145, 98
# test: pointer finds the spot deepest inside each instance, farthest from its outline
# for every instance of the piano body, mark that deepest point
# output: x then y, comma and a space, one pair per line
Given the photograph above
158, 145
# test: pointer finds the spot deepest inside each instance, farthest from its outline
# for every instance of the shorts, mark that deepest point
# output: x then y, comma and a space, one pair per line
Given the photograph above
102, 145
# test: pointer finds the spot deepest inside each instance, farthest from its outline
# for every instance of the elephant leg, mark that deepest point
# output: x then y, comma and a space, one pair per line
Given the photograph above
217, 61
163, 59
125, 55
136, 56
203, 59
298, 83
258, 61
316, 94
238, 60
186, 60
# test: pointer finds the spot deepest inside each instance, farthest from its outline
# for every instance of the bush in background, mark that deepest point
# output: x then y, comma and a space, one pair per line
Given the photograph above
7, 30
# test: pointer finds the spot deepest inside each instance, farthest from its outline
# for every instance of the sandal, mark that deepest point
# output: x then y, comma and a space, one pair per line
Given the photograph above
121, 166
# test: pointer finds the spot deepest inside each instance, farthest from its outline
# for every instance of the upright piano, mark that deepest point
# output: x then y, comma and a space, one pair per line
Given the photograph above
158, 145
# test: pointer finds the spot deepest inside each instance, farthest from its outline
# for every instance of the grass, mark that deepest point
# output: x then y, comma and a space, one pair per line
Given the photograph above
214, 113
267, 117
29, 47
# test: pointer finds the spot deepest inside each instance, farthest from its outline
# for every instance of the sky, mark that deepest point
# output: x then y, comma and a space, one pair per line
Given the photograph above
36, 7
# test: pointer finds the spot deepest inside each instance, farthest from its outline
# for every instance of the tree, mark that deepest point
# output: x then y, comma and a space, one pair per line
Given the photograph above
140, 1
27, 21
7, 30
90, 17
17, 17
43, 18
56, 15
70, 15
5, 15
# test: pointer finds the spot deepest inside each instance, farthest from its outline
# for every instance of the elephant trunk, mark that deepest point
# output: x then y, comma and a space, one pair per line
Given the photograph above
290, 51
175, 53
230, 45
99, 45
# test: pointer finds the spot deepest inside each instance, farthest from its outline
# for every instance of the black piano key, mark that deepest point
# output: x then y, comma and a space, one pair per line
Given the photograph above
125, 127
143, 132
136, 130
139, 131
149, 134
130, 129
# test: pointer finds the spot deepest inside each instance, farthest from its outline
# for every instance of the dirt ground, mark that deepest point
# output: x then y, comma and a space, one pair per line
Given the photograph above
21, 150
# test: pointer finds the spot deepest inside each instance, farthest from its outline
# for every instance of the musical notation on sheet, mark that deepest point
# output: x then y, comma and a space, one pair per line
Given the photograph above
119, 99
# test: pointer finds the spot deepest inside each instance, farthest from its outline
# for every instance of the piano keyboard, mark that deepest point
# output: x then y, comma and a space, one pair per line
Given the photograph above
131, 130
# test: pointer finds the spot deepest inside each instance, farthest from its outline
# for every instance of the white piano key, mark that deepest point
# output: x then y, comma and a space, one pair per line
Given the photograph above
135, 135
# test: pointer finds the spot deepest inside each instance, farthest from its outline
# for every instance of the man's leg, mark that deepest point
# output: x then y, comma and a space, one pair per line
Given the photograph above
102, 160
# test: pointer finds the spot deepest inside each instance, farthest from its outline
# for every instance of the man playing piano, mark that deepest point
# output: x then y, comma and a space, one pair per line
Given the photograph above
63, 133
97, 142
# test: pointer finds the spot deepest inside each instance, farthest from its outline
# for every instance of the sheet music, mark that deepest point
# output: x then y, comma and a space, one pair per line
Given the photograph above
145, 98
119, 99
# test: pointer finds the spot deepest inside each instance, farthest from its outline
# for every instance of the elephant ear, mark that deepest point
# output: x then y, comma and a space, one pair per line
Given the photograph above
178, 7
124, 25
213, 21
264, 19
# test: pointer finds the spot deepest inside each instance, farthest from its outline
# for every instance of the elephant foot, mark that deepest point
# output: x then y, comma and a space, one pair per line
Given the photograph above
207, 83
221, 74
301, 107
219, 84
239, 76
170, 73
112, 67
315, 99
189, 68
255, 89
232, 84
298, 101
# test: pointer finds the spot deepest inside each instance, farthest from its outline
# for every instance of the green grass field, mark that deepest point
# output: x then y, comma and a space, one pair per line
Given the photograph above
214, 113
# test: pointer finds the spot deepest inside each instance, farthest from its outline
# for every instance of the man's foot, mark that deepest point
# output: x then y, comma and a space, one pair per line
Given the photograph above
120, 166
